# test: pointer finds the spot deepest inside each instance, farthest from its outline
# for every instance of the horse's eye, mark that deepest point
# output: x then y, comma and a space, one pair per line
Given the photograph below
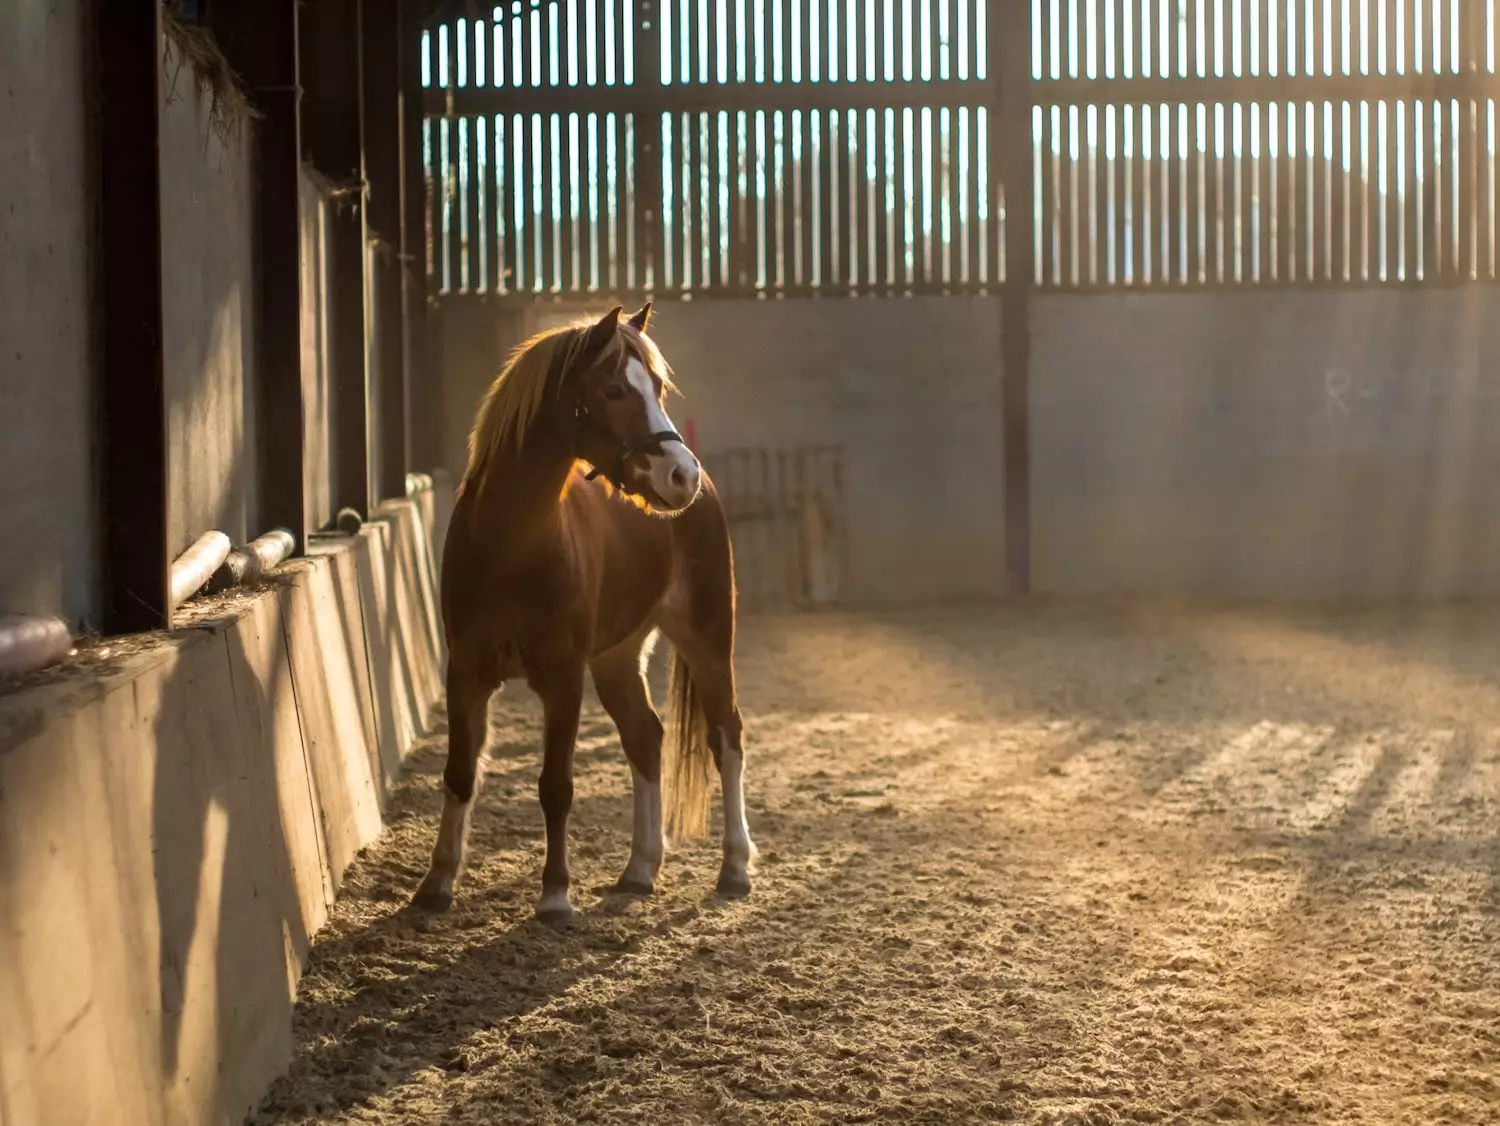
614, 392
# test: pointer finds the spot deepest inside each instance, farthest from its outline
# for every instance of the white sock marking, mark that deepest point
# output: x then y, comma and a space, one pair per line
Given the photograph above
646, 843
738, 848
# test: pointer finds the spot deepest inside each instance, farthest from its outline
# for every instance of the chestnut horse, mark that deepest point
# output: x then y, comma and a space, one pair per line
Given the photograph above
548, 571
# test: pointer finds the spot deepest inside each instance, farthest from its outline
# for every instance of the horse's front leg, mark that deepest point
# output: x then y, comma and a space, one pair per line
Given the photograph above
561, 691
469, 692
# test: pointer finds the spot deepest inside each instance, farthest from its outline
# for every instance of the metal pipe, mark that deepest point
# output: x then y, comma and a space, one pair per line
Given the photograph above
417, 483
29, 642
250, 562
193, 568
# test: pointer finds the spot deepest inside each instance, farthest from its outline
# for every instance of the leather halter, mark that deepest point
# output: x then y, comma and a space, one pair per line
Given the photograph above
624, 450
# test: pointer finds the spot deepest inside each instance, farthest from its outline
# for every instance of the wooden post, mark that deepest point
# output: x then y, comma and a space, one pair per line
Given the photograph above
424, 409
1011, 146
384, 150
132, 390
333, 132
260, 42
648, 198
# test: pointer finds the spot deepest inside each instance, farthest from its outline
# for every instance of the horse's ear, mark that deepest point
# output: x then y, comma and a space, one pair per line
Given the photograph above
641, 318
603, 332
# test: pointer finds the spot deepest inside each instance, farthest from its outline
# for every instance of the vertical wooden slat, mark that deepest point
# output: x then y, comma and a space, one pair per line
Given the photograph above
1099, 243
1265, 186
1286, 195
514, 171
1390, 217
1174, 169
1141, 200
708, 201
1467, 172
1214, 200
1407, 14
1196, 195
569, 279
1361, 237
854, 200
596, 203
1240, 233
936, 165
1409, 166
1067, 201
1302, 177
1339, 214
453, 203
834, 173
469, 190
973, 186
880, 217
718, 256
1191, 23
685, 245
754, 262
1485, 205
904, 212
787, 14
808, 176
1306, 196
1431, 248
1114, 228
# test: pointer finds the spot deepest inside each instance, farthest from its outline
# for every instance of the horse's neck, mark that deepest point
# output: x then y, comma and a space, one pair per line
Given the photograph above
522, 489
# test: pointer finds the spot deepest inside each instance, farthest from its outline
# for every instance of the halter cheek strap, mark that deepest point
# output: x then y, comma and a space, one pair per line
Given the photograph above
624, 450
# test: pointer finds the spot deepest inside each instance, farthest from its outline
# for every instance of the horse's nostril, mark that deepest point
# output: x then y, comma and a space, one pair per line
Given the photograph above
678, 477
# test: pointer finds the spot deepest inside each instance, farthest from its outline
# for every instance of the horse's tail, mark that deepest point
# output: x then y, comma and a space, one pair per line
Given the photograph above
685, 757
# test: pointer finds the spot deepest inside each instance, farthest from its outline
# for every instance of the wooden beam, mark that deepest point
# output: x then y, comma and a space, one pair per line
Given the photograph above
1011, 144
383, 166
424, 410
333, 141
260, 41
132, 392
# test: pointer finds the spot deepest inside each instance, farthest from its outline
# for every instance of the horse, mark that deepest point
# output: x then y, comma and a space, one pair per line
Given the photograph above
549, 571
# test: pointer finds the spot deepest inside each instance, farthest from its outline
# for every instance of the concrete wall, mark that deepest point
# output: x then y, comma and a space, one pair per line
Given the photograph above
208, 314
175, 822
1281, 444
47, 485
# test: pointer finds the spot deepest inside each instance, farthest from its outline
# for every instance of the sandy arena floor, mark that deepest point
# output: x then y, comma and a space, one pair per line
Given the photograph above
1049, 864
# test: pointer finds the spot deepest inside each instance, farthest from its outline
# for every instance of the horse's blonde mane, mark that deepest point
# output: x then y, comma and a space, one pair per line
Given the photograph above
515, 398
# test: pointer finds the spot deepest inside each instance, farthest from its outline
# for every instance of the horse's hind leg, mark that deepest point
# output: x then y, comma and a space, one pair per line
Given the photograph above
620, 681
709, 654
468, 717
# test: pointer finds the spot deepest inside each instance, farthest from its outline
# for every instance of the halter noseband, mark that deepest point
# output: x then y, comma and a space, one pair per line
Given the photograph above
624, 450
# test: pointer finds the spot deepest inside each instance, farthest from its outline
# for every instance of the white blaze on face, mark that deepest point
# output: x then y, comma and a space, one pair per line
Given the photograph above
674, 471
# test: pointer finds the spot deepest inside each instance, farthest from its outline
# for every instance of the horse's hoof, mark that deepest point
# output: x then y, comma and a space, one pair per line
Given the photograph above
624, 886
554, 909
733, 885
434, 901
